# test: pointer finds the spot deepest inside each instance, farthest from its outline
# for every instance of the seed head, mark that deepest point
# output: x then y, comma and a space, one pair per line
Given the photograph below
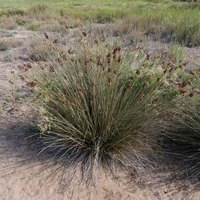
138, 72
191, 94
84, 33
183, 84
46, 36
31, 84
182, 91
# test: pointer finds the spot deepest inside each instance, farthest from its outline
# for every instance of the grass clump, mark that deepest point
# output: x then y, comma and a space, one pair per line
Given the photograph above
41, 50
100, 105
6, 44
183, 134
34, 26
104, 18
7, 22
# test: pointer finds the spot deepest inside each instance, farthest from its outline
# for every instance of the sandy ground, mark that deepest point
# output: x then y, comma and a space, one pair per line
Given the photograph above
24, 177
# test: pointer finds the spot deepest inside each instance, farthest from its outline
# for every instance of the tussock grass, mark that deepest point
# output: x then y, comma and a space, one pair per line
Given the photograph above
183, 135
100, 106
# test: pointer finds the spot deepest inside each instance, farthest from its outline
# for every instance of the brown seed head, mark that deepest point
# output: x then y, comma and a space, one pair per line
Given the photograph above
22, 78
119, 59
46, 36
31, 84
84, 33
138, 72
191, 94
51, 69
182, 91
183, 84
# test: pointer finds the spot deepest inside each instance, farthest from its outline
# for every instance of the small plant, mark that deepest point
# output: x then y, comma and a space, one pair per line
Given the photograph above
100, 105
4, 45
34, 26
103, 18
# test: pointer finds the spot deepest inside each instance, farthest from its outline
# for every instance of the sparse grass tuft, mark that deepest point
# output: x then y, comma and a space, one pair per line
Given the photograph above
33, 26
7, 22
6, 44
41, 50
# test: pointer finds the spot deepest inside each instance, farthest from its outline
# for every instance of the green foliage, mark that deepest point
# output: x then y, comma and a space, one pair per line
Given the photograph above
104, 18
33, 26
21, 22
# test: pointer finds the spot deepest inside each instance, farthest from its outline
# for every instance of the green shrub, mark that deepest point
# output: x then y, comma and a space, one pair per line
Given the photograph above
100, 105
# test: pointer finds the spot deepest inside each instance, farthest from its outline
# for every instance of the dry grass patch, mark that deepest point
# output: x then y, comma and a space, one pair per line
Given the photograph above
41, 50
7, 22
6, 44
